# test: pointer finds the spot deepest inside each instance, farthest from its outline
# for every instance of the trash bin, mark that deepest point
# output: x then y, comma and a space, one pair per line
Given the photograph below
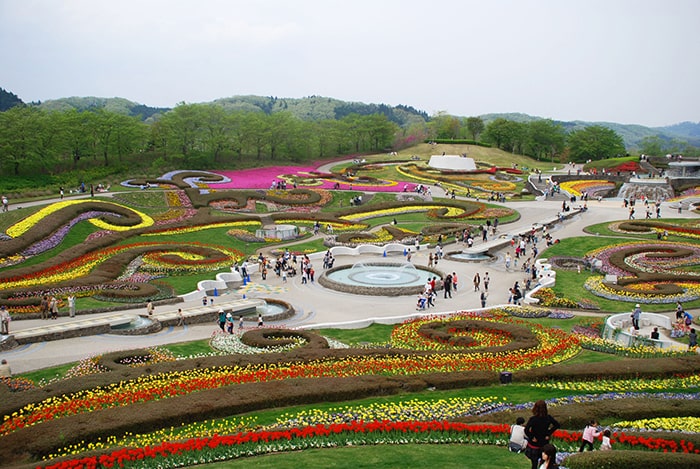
506, 377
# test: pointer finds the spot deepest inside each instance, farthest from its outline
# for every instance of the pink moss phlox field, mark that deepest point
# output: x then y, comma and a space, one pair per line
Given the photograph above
262, 178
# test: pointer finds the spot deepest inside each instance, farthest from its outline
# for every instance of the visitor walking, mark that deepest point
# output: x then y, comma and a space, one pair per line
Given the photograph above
447, 286
692, 339
4, 321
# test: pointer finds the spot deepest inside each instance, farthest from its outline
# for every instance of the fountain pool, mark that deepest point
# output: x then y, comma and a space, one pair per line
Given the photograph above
462, 256
378, 278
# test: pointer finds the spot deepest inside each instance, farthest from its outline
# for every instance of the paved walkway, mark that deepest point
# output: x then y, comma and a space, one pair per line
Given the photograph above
316, 305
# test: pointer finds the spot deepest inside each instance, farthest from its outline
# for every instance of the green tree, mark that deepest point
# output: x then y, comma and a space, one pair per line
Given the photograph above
381, 131
444, 126
183, 126
104, 125
216, 131
545, 139
129, 136
19, 127
596, 143
475, 126
76, 141
652, 145
506, 134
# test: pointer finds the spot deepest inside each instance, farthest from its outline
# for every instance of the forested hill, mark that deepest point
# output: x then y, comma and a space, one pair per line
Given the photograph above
312, 108
91, 103
316, 108
8, 100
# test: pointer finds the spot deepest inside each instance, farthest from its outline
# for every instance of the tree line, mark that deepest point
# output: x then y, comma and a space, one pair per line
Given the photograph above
190, 136
542, 139
202, 136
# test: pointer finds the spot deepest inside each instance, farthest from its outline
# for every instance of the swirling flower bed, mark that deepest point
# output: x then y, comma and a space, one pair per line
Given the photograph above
458, 180
217, 448
82, 266
591, 187
21, 227
596, 285
552, 346
649, 272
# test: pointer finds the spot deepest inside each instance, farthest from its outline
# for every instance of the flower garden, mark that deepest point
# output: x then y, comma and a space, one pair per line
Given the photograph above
80, 247
433, 382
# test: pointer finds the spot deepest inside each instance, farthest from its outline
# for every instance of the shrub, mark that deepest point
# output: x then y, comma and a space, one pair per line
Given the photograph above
628, 459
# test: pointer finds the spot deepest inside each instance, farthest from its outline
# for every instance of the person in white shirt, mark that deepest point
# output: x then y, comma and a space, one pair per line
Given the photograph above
517, 436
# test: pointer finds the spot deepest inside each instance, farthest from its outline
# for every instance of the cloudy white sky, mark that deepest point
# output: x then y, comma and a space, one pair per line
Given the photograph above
596, 60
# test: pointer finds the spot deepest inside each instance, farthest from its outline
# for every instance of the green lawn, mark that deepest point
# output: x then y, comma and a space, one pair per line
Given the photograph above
387, 456
376, 333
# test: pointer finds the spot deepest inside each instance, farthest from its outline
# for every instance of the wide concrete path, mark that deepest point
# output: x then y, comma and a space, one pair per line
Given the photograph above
316, 305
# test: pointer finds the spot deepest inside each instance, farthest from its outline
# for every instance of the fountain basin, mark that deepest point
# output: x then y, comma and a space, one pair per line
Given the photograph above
139, 325
379, 278
461, 256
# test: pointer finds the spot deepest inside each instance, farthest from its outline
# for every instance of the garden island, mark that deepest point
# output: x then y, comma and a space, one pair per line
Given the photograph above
143, 367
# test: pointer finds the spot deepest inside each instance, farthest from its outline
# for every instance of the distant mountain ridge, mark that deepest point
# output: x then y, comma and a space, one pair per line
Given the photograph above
319, 108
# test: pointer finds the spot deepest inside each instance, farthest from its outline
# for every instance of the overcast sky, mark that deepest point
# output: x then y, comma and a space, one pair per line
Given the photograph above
610, 60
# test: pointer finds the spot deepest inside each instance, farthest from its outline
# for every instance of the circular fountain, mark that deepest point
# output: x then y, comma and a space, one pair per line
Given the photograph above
138, 325
463, 256
273, 310
378, 278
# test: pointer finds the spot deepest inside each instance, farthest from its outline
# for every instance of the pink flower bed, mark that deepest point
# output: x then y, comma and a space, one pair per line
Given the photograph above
262, 178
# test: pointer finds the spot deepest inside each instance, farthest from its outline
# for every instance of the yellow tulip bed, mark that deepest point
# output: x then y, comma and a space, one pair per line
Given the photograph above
459, 181
18, 229
590, 187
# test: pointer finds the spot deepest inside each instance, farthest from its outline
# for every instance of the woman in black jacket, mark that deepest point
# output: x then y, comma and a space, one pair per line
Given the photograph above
539, 431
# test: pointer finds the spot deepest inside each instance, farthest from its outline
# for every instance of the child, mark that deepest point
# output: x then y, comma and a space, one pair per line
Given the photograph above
590, 433
549, 457
517, 436
605, 446
421, 302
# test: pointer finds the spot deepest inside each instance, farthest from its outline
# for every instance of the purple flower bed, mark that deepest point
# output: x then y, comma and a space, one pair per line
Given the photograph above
58, 235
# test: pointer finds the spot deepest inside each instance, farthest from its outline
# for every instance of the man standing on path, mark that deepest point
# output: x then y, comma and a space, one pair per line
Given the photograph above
44, 307
486, 281
448, 286
483, 297
4, 321
636, 315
